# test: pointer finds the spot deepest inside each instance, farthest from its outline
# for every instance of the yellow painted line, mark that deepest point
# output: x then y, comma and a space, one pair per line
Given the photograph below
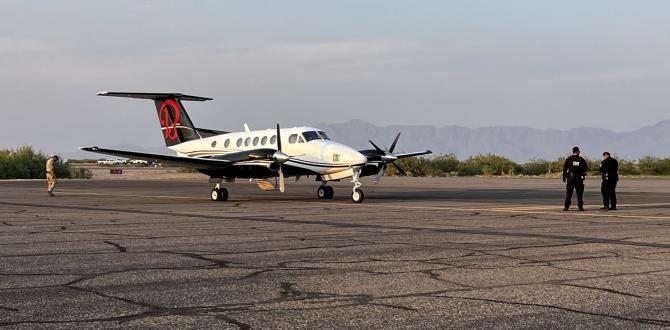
604, 214
549, 207
586, 214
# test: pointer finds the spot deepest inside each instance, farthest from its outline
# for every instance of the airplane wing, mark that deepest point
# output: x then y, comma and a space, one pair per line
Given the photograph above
412, 154
214, 162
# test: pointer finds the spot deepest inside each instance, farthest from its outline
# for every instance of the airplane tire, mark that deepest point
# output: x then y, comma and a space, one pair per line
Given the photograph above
219, 194
215, 194
321, 192
330, 192
224, 194
357, 196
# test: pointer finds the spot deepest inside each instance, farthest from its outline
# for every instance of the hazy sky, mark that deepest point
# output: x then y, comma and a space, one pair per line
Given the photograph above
547, 64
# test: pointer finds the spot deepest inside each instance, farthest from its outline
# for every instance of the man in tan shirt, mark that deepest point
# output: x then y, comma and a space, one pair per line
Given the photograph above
51, 174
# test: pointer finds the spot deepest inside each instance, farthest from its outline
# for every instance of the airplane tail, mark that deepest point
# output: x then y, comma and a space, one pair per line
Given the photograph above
175, 123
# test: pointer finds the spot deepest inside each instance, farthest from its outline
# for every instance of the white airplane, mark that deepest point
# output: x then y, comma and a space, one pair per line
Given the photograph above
260, 155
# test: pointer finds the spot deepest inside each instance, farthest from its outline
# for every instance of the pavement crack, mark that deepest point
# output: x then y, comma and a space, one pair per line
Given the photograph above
121, 248
234, 321
216, 262
3, 308
566, 309
603, 290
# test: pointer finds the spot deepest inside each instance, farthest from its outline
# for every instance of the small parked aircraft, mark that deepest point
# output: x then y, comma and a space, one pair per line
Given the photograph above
260, 155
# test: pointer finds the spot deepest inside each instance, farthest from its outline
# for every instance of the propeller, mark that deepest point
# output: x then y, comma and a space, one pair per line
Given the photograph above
280, 158
387, 157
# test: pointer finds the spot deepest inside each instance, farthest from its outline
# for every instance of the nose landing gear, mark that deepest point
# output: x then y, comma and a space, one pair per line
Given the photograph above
357, 194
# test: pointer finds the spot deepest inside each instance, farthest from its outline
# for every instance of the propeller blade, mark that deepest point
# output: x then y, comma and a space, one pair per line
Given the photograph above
379, 174
376, 147
278, 138
281, 158
282, 180
400, 170
394, 142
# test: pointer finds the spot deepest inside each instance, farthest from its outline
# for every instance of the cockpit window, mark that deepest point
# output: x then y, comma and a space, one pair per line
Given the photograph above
311, 135
323, 135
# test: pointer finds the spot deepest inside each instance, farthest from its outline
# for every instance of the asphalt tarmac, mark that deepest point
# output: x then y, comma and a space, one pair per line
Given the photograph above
418, 253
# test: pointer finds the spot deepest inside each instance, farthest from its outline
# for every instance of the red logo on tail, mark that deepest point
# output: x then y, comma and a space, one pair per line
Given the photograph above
169, 129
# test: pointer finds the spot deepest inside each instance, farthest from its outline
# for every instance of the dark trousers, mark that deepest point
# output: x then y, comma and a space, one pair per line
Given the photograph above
608, 189
577, 185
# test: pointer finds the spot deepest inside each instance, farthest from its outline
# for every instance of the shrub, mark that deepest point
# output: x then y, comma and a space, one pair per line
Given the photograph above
413, 166
489, 164
627, 167
186, 170
654, 166
445, 164
538, 167
80, 173
25, 163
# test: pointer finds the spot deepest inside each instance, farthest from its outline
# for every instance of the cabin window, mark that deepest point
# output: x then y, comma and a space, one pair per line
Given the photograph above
239, 142
255, 141
273, 139
247, 141
227, 143
293, 138
336, 158
311, 135
264, 140
301, 140
213, 144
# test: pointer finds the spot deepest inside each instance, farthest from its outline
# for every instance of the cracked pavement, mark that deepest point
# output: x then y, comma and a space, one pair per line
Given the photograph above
419, 253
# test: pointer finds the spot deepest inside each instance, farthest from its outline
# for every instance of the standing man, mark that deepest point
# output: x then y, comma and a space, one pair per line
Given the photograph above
609, 170
51, 174
574, 173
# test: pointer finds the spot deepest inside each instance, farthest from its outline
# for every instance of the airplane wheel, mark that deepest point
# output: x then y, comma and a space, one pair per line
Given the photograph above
358, 196
325, 192
330, 192
321, 192
219, 194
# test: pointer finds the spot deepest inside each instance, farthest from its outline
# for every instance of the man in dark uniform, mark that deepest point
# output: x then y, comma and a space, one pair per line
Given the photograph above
574, 173
609, 170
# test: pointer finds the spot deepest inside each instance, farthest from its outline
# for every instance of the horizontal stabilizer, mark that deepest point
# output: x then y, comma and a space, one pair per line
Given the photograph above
156, 96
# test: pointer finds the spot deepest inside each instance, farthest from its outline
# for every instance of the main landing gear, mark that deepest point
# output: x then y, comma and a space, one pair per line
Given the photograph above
325, 192
219, 193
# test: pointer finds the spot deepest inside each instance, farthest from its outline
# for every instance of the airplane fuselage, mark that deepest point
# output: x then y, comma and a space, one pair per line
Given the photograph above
310, 150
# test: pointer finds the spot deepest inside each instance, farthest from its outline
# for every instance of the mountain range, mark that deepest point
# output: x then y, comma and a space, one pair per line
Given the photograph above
517, 143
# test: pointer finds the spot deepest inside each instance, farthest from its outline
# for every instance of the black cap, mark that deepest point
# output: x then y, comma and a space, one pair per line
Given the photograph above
575, 149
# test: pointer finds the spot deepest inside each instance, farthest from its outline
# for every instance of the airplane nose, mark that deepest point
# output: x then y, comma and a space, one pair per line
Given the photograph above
359, 158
